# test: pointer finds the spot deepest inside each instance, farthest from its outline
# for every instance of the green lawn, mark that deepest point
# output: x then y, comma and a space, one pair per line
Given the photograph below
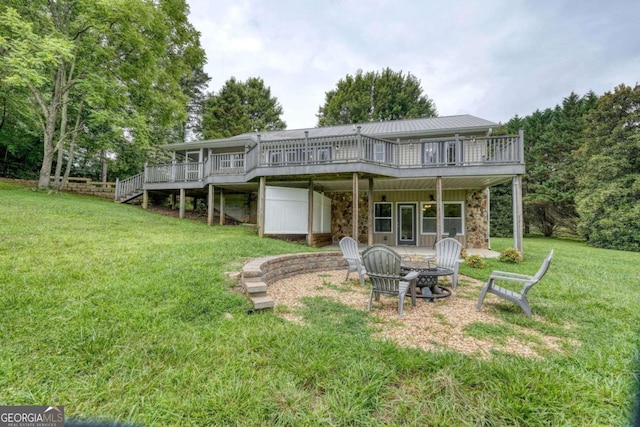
121, 314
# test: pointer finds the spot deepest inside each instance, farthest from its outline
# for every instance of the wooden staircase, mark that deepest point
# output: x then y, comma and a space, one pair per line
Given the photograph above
129, 189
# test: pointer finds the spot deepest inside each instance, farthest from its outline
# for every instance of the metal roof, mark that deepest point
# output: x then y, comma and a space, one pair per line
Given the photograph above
387, 129
390, 129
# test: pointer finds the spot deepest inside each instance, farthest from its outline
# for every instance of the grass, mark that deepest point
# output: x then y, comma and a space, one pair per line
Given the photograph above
121, 314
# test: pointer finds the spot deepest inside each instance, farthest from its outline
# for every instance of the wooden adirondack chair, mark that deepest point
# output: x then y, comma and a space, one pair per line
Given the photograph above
383, 268
350, 253
527, 284
448, 256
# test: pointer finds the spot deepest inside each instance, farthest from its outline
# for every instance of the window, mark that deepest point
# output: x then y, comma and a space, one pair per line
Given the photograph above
275, 156
429, 218
452, 217
451, 152
441, 152
378, 152
382, 218
294, 155
238, 161
229, 161
430, 153
320, 154
323, 154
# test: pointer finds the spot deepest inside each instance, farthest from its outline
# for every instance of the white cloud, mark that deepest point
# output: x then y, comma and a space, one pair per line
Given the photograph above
493, 60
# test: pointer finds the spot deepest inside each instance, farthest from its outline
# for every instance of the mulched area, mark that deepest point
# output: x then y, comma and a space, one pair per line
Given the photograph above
447, 324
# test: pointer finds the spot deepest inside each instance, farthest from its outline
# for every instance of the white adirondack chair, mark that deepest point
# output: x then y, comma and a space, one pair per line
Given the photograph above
383, 266
350, 253
527, 283
448, 256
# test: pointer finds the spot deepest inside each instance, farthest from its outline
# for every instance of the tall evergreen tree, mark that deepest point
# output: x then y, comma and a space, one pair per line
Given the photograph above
501, 220
552, 137
241, 107
609, 197
551, 165
375, 97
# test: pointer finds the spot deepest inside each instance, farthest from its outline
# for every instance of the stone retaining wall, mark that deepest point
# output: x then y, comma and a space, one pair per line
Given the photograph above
88, 187
78, 185
259, 273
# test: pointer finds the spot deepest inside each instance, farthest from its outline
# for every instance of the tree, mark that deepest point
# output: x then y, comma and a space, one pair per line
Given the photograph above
501, 218
17, 136
552, 137
608, 200
552, 170
89, 64
241, 107
375, 96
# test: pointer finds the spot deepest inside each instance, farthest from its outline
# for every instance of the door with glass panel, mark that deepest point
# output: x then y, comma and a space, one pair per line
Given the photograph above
193, 166
406, 224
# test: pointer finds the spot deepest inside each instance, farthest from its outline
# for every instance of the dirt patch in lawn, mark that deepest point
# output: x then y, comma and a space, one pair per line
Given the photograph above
448, 323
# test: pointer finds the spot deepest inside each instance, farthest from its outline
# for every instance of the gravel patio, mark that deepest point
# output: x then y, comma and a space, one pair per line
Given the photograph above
439, 325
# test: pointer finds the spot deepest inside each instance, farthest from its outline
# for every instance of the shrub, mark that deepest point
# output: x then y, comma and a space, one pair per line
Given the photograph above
510, 255
463, 253
474, 261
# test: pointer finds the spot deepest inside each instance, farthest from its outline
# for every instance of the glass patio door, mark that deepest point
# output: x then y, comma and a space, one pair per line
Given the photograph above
406, 224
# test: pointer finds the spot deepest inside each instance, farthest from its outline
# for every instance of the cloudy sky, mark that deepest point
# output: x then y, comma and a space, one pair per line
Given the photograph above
490, 59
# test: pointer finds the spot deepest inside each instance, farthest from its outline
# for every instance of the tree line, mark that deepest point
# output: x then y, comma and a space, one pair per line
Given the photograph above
583, 171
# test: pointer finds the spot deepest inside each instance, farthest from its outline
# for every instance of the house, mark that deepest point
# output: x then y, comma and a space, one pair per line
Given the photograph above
405, 182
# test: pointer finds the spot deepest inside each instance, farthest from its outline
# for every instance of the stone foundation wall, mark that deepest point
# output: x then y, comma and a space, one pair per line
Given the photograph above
477, 232
341, 216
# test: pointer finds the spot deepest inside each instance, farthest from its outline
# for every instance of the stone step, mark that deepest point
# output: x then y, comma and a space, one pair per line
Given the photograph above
262, 303
253, 288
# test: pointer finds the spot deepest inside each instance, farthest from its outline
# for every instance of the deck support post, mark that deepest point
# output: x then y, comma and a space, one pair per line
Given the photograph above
210, 205
182, 202
172, 200
370, 215
517, 214
439, 208
145, 199
222, 202
310, 215
354, 218
261, 202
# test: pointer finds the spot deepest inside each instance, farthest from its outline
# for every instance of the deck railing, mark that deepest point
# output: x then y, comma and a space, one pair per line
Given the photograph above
129, 186
452, 151
176, 172
232, 163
